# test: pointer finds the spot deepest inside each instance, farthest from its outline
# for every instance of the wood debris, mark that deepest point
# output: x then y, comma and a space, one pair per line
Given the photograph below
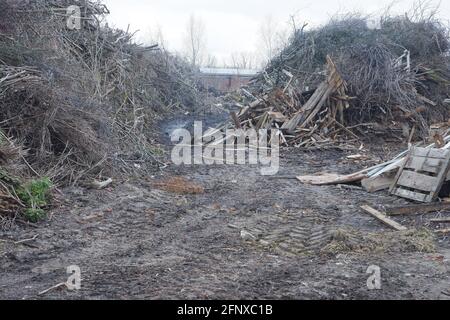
422, 174
330, 178
307, 119
383, 218
379, 183
418, 208
424, 168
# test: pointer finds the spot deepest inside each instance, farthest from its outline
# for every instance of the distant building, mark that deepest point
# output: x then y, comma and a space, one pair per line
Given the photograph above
225, 79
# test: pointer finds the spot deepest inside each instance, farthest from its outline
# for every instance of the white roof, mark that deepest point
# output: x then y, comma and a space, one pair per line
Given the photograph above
229, 71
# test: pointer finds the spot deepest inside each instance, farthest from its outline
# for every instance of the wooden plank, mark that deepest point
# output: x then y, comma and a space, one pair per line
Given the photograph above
429, 153
412, 195
331, 178
431, 165
418, 208
418, 181
304, 111
399, 172
319, 106
378, 183
383, 218
314, 104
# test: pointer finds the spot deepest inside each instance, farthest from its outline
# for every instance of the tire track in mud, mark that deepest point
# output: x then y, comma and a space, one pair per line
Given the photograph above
290, 219
294, 232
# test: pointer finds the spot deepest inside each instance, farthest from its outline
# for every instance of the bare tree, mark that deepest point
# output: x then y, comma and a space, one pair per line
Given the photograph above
195, 41
243, 60
211, 61
272, 38
267, 32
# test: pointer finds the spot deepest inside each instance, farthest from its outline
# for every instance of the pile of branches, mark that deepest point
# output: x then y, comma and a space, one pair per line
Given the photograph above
10, 156
396, 76
83, 102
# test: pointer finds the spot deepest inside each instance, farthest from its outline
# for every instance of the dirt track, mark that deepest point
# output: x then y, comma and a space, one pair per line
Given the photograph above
135, 240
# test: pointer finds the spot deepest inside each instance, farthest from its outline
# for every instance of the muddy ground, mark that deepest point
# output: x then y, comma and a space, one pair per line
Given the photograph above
240, 236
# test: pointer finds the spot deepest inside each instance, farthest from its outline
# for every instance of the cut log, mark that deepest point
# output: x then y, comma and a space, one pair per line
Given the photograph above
383, 218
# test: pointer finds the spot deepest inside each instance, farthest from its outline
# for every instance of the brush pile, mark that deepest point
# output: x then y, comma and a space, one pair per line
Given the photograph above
392, 80
83, 101
10, 154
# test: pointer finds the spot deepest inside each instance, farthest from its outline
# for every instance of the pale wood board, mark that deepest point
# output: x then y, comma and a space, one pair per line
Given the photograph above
378, 183
331, 178
431, 165
418, 181
413, 195
383, 218
429, 153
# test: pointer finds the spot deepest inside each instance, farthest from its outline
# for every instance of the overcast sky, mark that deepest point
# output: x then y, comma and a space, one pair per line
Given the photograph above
233, 25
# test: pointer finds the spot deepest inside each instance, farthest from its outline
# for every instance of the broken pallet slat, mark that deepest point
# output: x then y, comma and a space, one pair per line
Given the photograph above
431, 165
408, 194
429, 153
418, 181
383, 218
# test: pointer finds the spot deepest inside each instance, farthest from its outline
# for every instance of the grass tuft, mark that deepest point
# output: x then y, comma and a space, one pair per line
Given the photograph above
36, 196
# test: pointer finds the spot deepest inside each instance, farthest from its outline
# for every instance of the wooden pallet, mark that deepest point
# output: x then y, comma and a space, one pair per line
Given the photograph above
422, 174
